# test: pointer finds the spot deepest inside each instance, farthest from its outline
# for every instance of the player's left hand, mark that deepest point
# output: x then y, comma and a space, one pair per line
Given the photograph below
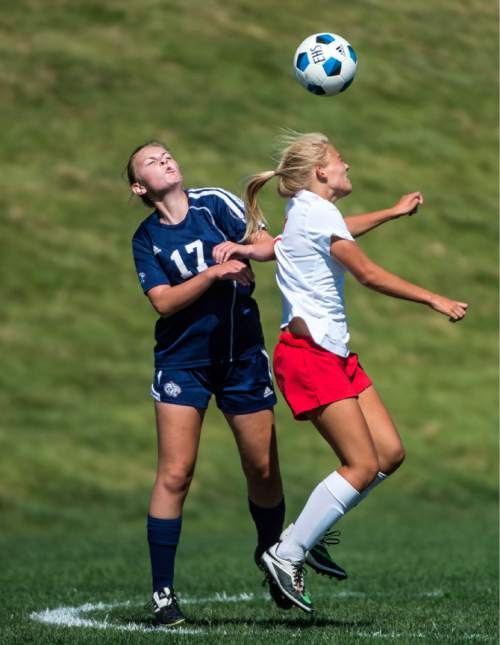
230, 251
454, 309
408, 204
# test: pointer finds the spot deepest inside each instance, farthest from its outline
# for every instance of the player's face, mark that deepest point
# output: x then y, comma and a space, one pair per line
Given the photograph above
335, 174
156, 172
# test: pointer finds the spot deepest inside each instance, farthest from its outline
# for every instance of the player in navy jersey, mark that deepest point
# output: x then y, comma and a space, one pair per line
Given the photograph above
209, 341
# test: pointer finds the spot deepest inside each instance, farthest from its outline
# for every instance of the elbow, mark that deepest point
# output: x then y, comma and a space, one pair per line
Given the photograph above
264, 254
162, 309
367, 278
267, 257
161, 301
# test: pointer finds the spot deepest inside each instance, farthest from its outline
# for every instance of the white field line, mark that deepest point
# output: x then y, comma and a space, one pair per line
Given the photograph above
419, 635
75, 617
71, 617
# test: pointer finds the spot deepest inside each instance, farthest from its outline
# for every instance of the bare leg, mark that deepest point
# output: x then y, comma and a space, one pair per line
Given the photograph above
256, 440
178, 429
343, 425
385, 436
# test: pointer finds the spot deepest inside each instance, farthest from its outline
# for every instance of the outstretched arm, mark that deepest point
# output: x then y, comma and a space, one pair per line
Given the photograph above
260, 248
360, 224
373, 276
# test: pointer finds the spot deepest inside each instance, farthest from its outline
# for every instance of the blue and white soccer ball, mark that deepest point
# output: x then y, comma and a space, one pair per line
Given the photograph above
325, 64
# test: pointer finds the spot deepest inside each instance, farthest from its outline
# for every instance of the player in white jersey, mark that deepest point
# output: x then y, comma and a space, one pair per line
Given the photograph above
320, 378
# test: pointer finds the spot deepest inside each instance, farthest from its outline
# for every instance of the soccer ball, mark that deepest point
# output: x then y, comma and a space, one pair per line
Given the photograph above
325, 64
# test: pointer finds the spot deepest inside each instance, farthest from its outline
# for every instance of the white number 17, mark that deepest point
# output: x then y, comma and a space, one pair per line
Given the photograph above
201, 265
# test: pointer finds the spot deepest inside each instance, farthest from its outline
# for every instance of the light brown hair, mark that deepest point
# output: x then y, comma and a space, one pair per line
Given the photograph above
298, 155
131, 172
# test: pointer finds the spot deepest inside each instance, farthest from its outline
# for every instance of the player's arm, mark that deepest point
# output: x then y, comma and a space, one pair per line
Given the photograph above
230, 217
260, 247
406, 205
374, 277
168, 300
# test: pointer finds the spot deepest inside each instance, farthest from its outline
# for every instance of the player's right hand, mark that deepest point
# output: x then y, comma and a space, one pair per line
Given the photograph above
234, 270
227, 250
454, 309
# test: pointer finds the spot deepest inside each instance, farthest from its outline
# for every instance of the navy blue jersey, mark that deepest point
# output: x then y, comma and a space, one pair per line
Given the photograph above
223, 324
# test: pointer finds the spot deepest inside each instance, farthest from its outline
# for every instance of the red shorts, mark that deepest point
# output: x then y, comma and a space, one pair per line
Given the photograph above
310, 376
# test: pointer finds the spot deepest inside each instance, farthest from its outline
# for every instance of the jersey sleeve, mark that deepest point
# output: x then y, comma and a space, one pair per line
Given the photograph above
149, 271
325, 222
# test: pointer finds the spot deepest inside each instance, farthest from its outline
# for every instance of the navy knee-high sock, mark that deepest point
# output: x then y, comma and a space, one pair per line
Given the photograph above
163, 538
269, 524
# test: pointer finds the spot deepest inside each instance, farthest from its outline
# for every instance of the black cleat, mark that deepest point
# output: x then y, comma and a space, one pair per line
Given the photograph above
166, 609
320, 560
318, 557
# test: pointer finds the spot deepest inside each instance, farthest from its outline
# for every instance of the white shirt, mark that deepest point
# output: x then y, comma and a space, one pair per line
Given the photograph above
311, 281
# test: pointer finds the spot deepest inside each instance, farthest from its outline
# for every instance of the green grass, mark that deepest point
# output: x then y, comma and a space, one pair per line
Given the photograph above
409, 582
83, 84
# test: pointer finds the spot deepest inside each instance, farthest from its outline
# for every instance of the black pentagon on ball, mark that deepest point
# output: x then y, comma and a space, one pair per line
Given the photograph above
352, 54
325, 39
302, 61
332, 67
316, 89
346, 85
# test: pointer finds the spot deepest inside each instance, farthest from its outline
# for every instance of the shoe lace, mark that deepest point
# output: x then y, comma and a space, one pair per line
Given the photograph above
331, 538
172, 599
298, 576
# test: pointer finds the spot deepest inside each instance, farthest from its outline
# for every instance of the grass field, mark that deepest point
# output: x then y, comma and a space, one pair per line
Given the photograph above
410, 582
83, 84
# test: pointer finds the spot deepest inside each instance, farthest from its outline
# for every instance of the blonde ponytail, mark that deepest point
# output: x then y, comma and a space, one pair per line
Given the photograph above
254, 216
298, 155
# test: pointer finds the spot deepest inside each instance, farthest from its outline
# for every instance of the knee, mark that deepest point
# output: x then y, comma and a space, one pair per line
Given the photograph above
393, 460
398, 457
175, 481
369, 472
258, 472
263, 477
364, 473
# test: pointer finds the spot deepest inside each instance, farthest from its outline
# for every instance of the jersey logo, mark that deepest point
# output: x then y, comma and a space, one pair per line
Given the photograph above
268, 392
172, 389
156, 249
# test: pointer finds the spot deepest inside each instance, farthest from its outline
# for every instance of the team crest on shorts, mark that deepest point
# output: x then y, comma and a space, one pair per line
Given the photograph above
172, 389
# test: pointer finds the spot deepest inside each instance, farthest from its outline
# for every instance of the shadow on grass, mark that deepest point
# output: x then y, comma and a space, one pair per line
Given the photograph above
286, 622
278, 622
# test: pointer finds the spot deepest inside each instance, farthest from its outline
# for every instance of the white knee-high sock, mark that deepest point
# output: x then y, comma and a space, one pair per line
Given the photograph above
381, 477
328, 502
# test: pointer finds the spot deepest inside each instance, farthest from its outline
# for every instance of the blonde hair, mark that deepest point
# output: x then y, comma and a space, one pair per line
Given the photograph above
298, 155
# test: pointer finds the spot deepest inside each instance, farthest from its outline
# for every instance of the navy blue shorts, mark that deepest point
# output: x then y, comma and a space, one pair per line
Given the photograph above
240, 387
